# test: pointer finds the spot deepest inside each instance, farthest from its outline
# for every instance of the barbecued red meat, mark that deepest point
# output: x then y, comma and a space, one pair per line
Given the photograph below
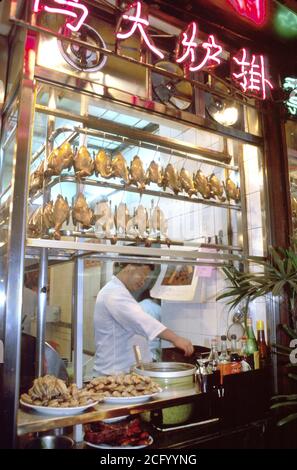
123, 433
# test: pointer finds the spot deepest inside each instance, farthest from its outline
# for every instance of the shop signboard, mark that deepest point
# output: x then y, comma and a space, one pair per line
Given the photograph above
250, 72
252, 10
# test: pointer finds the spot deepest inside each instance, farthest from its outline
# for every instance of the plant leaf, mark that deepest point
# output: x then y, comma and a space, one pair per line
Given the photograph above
282, 405
283, 348
292, 333
287, 419
284, 397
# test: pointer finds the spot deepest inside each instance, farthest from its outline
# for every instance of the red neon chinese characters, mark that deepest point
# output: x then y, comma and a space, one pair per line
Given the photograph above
73, 8
189, 48
141, 23
252, 75
254, 10
189, 45
213, 50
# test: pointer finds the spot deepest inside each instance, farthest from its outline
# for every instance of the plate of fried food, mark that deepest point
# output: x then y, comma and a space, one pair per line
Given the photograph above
124, 388
128, 434
51, 396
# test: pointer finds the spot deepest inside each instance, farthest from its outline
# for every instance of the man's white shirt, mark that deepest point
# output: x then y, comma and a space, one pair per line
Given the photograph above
117, 319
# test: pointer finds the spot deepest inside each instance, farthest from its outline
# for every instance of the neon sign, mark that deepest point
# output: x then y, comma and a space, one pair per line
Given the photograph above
290, 85
253, 10
252, 76
72, 9
193, 54
189, 46
137, 21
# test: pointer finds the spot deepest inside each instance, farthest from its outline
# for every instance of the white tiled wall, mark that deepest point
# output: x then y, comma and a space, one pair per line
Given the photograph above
201, 320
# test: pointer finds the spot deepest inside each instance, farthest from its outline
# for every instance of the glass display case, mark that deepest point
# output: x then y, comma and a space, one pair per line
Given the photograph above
114, 173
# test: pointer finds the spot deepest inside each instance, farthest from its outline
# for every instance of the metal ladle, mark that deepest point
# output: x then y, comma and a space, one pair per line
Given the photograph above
138, 357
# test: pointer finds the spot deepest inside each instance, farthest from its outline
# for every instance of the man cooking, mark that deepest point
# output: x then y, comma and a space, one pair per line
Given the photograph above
118, 317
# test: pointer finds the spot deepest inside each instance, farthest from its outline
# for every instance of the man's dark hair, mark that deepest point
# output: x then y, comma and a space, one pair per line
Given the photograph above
118, 266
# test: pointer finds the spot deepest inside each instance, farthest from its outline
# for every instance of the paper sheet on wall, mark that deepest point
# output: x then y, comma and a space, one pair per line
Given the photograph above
183, 283
176, 282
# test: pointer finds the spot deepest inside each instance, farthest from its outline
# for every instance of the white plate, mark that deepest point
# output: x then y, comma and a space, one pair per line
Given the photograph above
131, 400
115, 420
49, 410
106, 446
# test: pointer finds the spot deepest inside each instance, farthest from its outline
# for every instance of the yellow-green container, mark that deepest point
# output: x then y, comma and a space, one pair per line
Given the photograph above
171, 376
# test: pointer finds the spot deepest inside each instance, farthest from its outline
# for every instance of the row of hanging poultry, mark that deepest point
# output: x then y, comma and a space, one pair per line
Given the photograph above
108, 223
64, 158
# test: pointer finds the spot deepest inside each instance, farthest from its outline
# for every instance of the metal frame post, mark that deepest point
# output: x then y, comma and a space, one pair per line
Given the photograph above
16, 249
78, 297
41, 314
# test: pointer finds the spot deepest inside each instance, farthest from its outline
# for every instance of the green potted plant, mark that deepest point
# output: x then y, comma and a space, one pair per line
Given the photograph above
277, 277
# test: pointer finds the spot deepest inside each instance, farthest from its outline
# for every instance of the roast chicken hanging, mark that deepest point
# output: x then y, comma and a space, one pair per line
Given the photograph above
137, 173
36, 179
137, 226
232, 190
187, 182
83, 163
171, 179
120, 169
81, 213
35, 223
48, 215
217, 188
158, 225
104, 226
61, 214
103, 165
202, 185
154, 174
121, 218
59, 159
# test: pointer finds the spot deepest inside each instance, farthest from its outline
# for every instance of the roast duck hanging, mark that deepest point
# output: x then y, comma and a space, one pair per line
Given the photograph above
48, 215
187, 182
137, 226
36, 179
158, 226
232, 190
171, 179
61, 213
121, 218
119, 168
217, 188
137, 173
103, 165
154, 174
59, 159
104, 226
35, 223
81, 213
202, 185
83, 163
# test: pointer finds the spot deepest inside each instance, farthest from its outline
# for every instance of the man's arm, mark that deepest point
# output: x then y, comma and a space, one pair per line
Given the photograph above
178, 341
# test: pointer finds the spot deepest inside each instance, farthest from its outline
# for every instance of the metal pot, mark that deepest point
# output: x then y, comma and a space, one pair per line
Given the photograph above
50, 442
171, 375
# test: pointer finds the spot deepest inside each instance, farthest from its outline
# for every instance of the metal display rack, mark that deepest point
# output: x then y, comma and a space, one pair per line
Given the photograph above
82, 245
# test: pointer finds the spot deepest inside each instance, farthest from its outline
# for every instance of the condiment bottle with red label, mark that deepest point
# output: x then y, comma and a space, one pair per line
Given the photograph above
235, 359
